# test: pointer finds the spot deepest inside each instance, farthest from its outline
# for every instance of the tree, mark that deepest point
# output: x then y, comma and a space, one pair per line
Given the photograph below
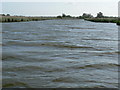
100, 15
59, 16
8, 15
63, 15
68, 16
3, 14
85, 15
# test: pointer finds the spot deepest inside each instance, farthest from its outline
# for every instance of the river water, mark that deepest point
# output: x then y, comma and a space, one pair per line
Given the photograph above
60, 54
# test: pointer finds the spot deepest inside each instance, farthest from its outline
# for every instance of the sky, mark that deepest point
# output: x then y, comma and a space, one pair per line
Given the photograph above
57, 7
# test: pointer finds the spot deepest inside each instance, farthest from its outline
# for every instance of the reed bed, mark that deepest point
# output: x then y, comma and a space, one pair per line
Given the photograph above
23, 19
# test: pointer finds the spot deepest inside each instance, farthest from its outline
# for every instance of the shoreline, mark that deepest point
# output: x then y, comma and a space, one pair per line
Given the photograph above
104, 20
6, 19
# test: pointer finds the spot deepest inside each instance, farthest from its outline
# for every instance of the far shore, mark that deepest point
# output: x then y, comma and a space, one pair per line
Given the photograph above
23, 18
5, 19
104, 20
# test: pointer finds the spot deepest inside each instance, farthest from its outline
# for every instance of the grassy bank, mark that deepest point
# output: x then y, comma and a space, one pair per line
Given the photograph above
104, 20
23, 19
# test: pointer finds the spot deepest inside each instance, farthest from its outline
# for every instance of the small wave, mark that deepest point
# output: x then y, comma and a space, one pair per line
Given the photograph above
54, 44
15, 84
12, 56
23, 68
79, 28
116, 52
65, 80
34, 68
101, 39
96, 66
66, 46
61, 24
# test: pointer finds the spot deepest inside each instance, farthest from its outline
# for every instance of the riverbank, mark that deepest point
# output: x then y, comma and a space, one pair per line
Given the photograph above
104, 20
23, 18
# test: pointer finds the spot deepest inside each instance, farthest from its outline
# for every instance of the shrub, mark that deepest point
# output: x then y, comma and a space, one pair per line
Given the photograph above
59, 16
100, 15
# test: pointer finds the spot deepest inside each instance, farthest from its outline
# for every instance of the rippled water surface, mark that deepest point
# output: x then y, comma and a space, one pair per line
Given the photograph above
60, 54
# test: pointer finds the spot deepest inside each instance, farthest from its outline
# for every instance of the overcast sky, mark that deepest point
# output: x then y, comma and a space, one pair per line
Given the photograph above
57, 7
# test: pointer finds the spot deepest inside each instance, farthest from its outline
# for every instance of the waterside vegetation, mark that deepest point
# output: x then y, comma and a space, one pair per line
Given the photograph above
104, 19
99, 18
23, 18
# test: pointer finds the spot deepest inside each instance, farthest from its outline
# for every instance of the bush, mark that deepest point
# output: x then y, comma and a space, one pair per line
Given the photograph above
59, 16
100, 15
118, 22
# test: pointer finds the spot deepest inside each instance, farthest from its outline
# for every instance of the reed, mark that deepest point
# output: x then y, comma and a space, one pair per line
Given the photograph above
23, 19
13, 19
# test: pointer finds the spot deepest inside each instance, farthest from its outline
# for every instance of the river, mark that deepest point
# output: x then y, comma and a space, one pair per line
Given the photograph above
60, 54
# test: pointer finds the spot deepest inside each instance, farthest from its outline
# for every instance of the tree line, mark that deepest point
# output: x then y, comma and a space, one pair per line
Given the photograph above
85, 15
4, 14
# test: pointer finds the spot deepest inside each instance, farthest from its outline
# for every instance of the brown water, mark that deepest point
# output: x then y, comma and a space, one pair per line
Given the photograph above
60, 54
